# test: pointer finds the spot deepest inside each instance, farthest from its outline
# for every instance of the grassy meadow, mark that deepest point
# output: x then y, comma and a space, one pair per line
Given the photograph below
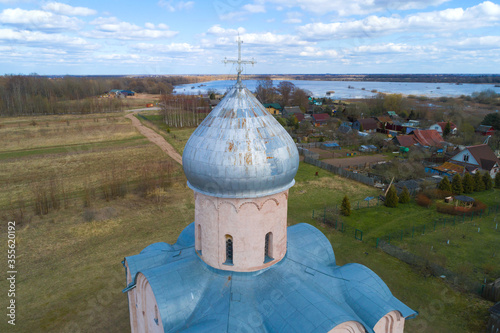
70, 275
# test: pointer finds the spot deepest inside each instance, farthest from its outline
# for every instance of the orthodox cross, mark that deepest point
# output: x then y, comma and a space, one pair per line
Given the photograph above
239, 61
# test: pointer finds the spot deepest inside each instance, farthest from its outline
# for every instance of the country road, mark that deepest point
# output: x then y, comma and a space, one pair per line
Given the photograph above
154, 137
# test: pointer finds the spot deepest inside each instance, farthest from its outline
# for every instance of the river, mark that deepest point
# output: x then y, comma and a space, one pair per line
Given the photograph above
350, 89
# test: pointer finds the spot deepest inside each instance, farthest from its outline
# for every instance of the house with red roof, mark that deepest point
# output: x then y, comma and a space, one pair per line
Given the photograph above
299, 115
404, 140
479, 157
320, 119
426, 138
441, 126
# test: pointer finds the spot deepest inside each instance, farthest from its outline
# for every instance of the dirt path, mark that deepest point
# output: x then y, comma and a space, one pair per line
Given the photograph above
155, 138
348, 161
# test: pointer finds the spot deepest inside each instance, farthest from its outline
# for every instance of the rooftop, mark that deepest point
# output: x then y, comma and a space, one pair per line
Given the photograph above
304, 292
240, 150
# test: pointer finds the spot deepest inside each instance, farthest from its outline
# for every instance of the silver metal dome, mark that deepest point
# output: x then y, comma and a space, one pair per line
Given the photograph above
240, 150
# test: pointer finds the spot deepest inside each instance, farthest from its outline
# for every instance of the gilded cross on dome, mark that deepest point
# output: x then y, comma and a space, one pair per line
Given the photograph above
239, 61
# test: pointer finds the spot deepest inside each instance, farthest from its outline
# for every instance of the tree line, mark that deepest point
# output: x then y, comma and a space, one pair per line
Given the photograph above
183, 110
37, 95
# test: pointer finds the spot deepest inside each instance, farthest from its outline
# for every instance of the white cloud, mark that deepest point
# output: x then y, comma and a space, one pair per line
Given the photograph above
484, 14
173, 6
488, 42
64, 9
254, 8
219, 31
111, 27
149, 25
37, 37
168, 48
38, 20
393, 48
310, 51
355, 7
293, 18
267, 38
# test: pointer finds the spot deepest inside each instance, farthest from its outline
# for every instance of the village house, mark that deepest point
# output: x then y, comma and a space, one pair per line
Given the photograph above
442, 125
485, 130
477, 158
446, 169
289, 110
320, 119
273, 108
367, 125
424, 138
345, 128
383, 121
300, 116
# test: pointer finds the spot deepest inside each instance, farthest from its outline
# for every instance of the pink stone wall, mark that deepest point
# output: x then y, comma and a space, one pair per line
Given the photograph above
393, 322
247, 221
142, 306
348, 327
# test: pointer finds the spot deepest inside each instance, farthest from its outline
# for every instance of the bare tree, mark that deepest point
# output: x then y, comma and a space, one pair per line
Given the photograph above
265, 91
285, 89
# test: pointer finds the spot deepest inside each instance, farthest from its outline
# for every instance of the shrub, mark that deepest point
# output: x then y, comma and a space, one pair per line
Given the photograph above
459, 210
405, 196
488, 182
478, 182
345, 208
436, 194
456, 184
497, 180
391, 199
468, 183
423, 200
444, 184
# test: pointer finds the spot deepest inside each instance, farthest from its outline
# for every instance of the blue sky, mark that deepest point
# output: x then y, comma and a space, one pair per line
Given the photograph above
283, 36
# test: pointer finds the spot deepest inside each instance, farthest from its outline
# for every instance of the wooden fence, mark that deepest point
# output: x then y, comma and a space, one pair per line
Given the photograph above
340, 171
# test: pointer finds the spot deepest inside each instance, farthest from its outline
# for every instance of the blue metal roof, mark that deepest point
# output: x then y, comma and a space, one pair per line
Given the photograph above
331, 144
240, 150
304, 292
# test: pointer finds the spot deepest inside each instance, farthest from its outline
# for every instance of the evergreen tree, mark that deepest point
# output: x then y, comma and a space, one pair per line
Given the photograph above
468, 183
497, 180
391, 199
447, 129
444, 184
488, 182
478, 182
456, 184
345, 207
405, 196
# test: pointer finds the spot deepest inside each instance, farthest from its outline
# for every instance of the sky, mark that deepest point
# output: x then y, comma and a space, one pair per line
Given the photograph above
283, 36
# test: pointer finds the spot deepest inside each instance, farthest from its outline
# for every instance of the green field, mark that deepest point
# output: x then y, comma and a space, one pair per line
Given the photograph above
70, 275
177, 137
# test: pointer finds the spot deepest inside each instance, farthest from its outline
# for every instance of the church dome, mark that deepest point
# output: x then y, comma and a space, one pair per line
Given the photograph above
240, 150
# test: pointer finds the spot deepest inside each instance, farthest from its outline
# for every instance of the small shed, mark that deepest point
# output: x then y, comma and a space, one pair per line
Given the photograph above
331, 146
367, 148
464, 201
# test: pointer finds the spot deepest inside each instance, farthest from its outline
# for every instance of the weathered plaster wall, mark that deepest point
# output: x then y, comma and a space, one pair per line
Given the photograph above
247, 221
